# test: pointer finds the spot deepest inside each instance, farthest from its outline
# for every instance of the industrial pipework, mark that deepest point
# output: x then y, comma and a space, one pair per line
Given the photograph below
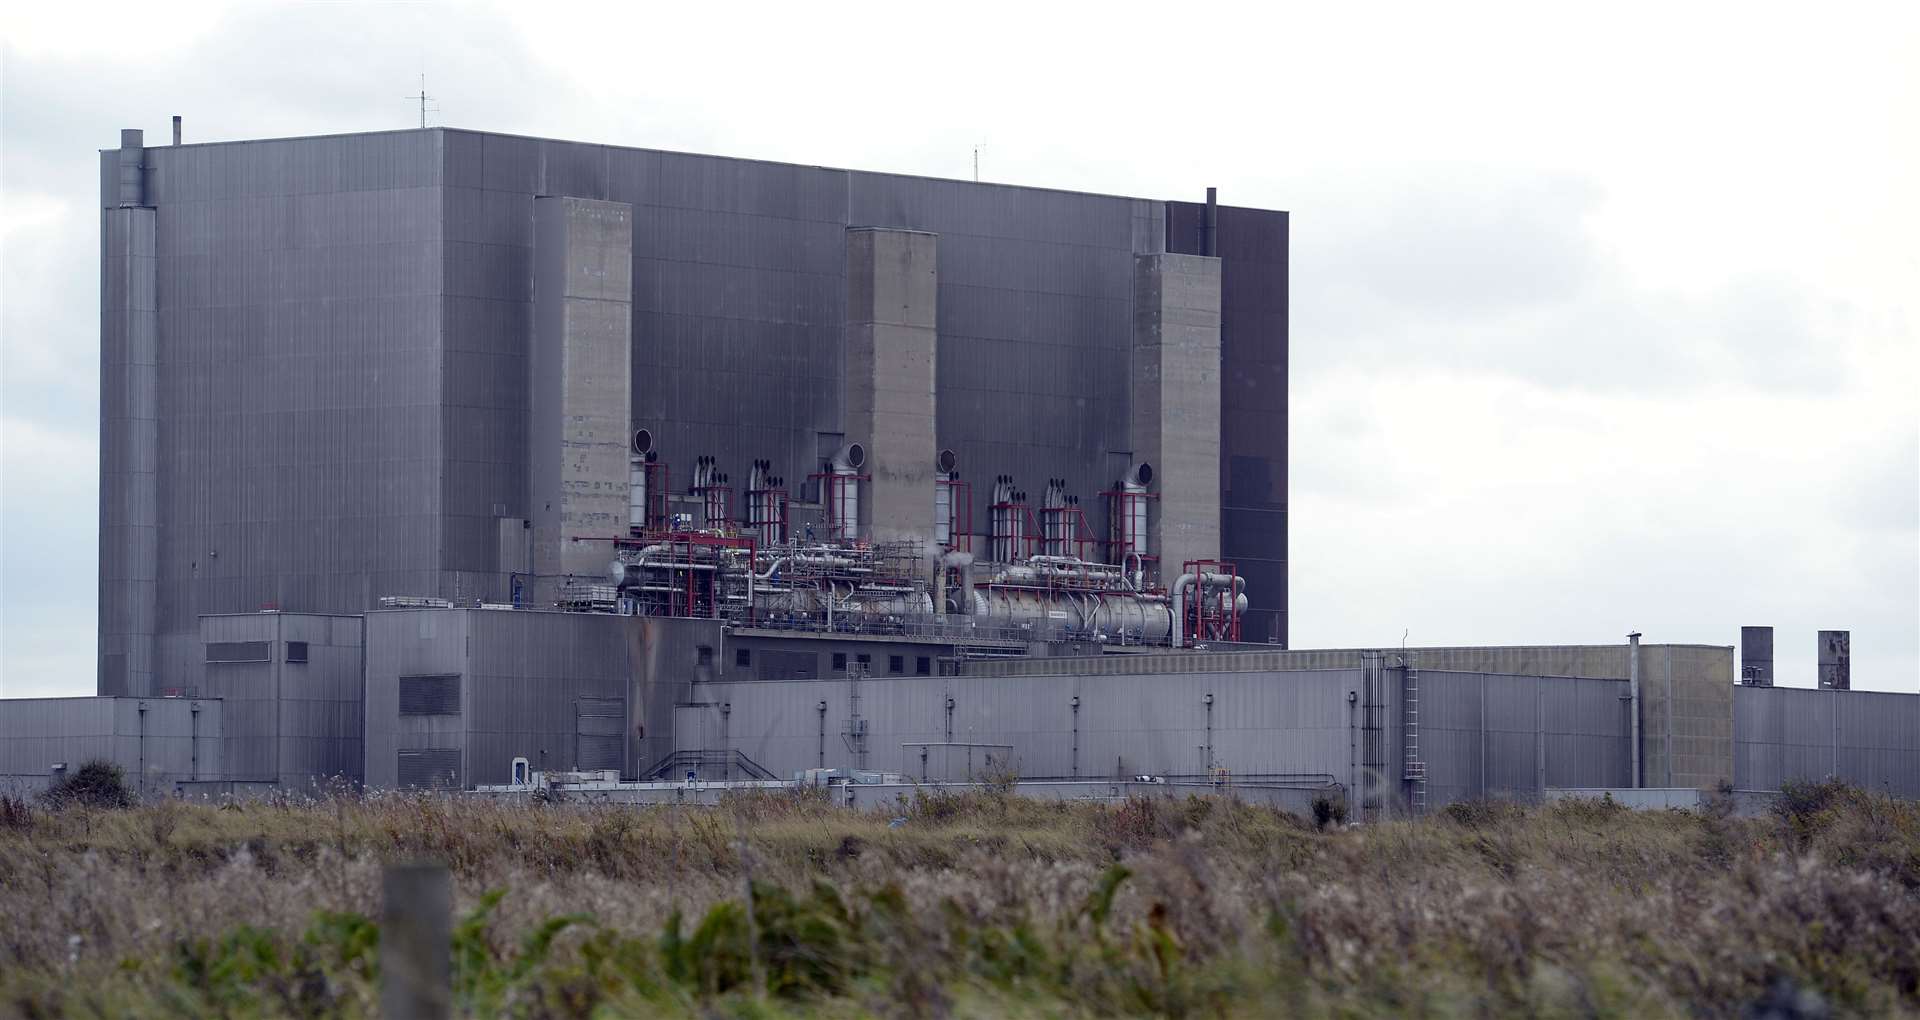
1127, 511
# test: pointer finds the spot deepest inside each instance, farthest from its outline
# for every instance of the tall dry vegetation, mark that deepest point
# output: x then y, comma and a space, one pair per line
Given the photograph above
973, 905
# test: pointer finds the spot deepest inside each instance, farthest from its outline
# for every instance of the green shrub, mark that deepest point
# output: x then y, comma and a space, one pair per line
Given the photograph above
97, 784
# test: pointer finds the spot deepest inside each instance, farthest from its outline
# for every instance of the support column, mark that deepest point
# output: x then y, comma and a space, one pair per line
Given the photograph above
1174, 414
129, 430
892, 288
582, 383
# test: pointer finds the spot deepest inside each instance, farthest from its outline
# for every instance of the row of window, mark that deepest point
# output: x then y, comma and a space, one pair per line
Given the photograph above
896, 664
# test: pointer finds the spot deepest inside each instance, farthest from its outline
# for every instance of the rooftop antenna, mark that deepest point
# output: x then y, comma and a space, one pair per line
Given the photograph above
422, 98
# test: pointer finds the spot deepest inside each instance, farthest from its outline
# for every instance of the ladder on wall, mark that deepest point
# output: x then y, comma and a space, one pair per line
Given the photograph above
1414, 771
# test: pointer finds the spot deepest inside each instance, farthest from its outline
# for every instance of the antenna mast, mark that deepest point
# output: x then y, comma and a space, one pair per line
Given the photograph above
422, 97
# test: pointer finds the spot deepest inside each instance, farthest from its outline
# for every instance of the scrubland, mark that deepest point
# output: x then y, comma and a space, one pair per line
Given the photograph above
977, 905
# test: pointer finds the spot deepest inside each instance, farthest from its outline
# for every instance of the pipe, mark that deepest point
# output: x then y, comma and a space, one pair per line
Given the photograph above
176, 129
1206, 579
1210, 226
1633, 701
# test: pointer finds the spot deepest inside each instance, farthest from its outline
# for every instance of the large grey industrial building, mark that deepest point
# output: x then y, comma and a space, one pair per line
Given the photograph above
432, 458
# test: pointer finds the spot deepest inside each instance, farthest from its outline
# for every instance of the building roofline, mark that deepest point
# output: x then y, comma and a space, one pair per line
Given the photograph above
681, 152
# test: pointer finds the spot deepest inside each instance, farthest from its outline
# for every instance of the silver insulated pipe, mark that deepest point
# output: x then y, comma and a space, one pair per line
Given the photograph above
843, 496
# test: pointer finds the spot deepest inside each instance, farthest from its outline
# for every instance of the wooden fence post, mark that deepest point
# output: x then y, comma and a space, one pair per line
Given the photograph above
416, 930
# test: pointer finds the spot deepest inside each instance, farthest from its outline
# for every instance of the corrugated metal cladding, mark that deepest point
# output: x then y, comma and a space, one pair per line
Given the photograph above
1253, 245
547, 687
1865, 737
297, 720
1480, 733
300, 295
157, 741
344, 323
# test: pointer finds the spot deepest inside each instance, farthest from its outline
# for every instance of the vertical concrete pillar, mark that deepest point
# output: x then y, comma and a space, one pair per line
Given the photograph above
1756, 656
1174, 406
582, 382
129, 425
892, 288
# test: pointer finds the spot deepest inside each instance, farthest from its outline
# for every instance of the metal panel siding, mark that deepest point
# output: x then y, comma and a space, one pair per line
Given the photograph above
1253, 249
299, 300
1128, 724
346, 320
173, 739
1868, 738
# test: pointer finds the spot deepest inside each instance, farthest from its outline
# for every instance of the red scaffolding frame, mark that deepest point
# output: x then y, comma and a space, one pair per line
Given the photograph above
1121, 504
959, 513
832, 492
1212, 611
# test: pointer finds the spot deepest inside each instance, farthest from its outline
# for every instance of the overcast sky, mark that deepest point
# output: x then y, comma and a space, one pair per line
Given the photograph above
1601, 322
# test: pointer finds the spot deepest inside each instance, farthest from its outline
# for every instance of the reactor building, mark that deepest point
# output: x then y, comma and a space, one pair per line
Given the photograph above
435, 459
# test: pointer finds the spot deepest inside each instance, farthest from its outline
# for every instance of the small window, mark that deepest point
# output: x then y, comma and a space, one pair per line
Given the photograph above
296, 651
706, 655
865, 662
839, 662
896, 664
923, 666
743, 657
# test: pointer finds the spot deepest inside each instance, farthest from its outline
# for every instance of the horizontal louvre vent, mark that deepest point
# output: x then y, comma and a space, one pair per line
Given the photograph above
239, 651
599, 752
599, 729
437, 694
432, 769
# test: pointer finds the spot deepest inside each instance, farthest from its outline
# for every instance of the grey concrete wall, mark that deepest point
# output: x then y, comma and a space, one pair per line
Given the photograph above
1686, 715
892, 359
158, 741
1864, 737
1174, 405
581, 404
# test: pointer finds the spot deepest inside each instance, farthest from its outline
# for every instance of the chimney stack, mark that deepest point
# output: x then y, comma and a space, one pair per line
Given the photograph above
176, 129
1756, 656
1836, 660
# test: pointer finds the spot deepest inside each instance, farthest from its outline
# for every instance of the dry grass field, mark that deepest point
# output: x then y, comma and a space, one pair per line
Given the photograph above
972, 906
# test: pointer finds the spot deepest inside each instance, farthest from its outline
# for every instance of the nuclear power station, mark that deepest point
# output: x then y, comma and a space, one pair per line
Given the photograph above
444, 459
